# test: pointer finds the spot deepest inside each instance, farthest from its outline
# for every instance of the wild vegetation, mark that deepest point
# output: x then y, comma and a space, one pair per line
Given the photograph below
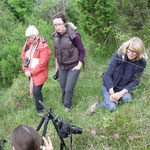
103, 26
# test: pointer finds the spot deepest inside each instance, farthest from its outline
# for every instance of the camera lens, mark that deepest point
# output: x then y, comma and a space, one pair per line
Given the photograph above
76, 130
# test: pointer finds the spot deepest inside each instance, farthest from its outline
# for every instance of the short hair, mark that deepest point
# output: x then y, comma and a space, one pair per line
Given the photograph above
136, 43
25, 137
31, 30
60, 15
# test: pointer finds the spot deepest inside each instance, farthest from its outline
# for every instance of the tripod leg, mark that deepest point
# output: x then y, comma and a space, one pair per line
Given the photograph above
45, 127
40, 124
62, 143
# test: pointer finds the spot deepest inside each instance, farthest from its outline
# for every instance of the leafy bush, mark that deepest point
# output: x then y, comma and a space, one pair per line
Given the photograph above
9, 58
11, 47
73, 12
132, 20
20, 8
132, 15
145, 32
97, 18
45, 9
10, 65
18, 94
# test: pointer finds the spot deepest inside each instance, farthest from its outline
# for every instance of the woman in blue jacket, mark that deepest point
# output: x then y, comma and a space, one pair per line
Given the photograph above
122, 74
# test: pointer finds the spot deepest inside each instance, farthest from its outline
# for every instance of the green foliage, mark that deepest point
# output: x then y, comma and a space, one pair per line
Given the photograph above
112, 22
20, 8
19, 98
97, 18
121, 36
73, 12
134, 13
7, 22
133, 19
45, 9
16, 97
145, 34
11, 45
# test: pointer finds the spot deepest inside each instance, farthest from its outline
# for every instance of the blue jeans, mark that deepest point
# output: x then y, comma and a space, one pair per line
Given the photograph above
107, 104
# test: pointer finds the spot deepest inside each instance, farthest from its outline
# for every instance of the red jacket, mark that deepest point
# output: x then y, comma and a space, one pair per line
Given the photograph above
40, 71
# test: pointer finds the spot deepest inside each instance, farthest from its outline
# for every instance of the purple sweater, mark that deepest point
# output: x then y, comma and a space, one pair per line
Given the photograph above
80, 47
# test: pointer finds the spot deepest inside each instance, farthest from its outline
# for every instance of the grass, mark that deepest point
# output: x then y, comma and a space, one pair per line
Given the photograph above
130, 119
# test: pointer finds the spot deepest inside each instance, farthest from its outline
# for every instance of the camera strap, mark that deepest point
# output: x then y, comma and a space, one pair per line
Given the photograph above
71, 140
62, 144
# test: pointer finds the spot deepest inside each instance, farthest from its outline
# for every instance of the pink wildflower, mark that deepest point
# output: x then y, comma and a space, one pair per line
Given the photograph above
131, 138
116, 135
93, 132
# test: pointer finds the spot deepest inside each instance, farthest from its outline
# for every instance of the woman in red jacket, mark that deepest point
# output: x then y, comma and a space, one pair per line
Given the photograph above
35, 58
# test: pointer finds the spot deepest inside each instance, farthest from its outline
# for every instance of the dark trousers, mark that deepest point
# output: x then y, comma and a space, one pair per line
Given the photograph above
67, 80
38, 96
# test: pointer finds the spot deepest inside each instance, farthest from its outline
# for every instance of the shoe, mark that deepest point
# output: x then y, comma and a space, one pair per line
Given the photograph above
101, 104
67, 109
41, 114
91, 110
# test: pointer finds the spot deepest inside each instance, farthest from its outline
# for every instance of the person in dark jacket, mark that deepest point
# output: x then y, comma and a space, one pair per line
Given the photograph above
69, 56
122, 74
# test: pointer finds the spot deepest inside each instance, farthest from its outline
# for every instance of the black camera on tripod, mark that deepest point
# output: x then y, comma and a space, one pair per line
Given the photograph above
63, 128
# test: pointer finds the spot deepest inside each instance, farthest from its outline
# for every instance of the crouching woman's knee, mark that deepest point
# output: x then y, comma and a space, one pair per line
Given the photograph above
126, 98
112, 106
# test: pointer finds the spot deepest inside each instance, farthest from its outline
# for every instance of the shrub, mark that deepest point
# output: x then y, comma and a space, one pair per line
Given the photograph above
20, 8
97, 18
18, 94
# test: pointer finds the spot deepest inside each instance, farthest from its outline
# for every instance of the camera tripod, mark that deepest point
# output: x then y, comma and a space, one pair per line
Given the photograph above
55, 120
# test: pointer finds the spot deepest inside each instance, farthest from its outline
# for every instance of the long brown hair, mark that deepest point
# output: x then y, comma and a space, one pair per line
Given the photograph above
25, 137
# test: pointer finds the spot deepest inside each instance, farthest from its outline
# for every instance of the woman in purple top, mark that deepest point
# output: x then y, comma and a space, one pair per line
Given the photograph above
122, 74
69, 56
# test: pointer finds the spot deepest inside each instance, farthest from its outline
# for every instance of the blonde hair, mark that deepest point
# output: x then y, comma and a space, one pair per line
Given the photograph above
138, 46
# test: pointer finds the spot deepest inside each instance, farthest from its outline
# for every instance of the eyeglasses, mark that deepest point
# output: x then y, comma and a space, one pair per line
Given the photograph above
31, 37
131, 51
59, 24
